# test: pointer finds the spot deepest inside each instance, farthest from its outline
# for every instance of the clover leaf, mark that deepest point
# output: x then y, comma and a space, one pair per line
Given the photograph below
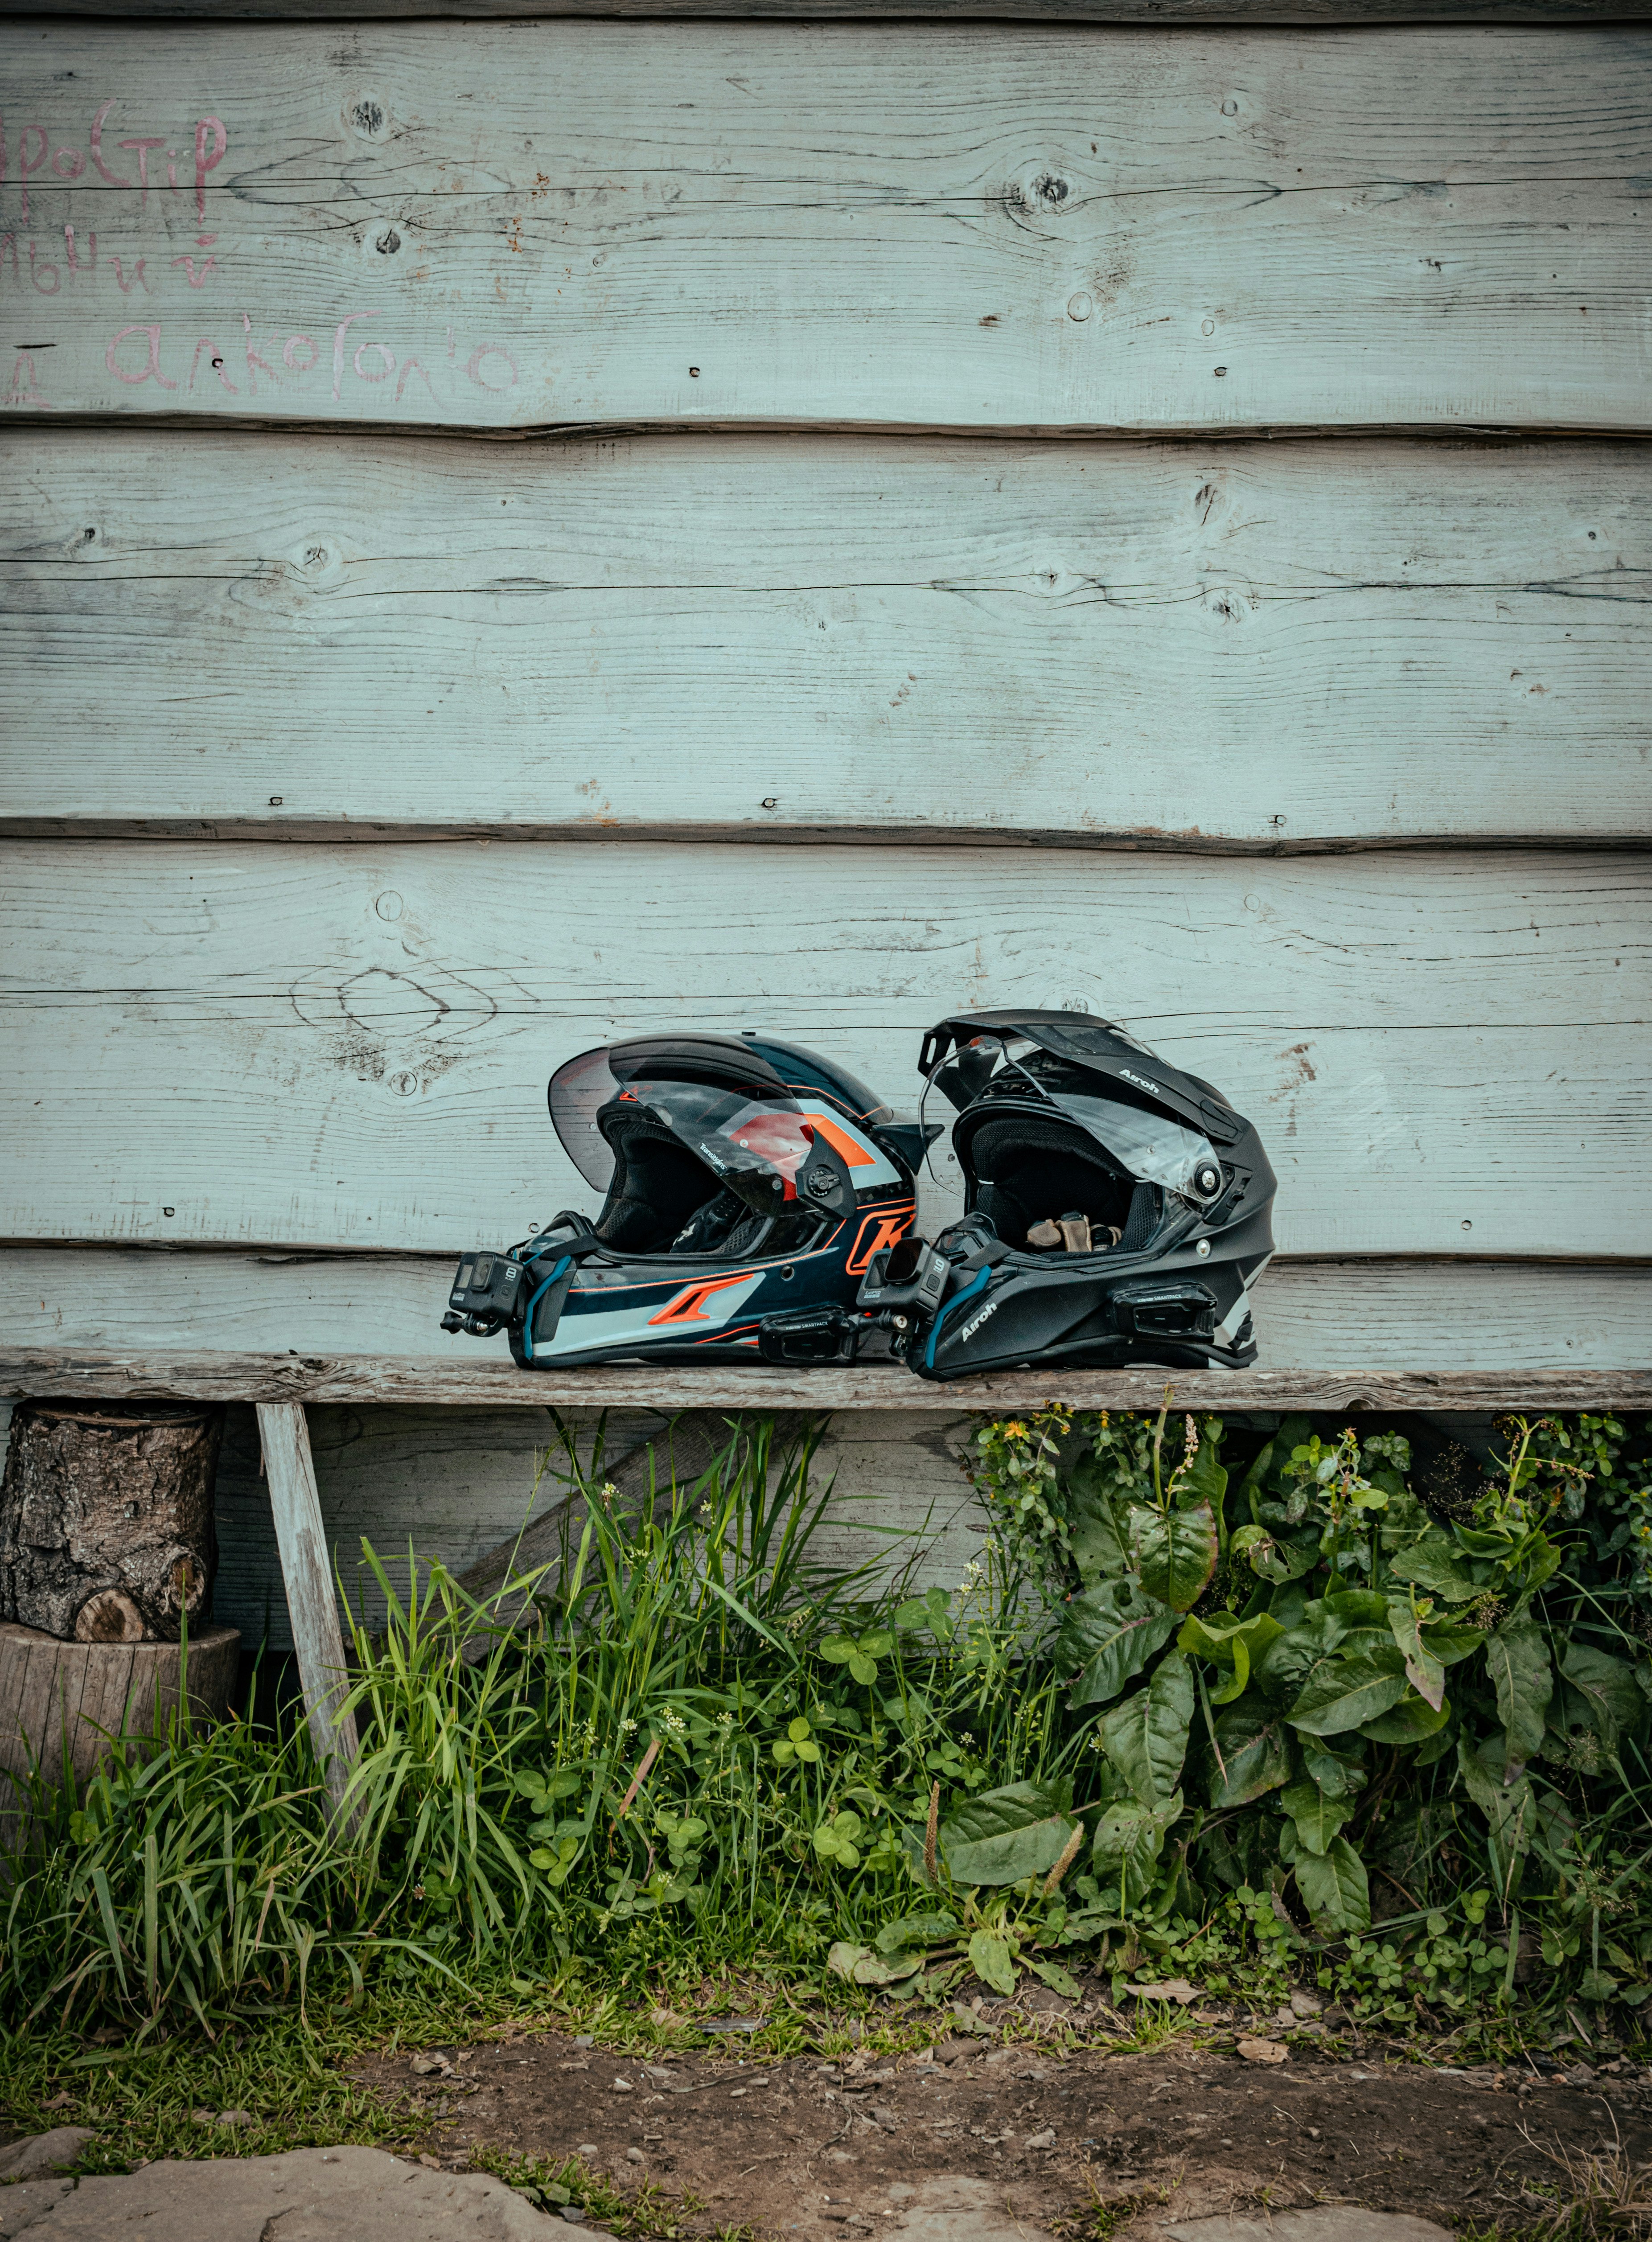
859, 1653
933, 1609
796, 1745
834, 1840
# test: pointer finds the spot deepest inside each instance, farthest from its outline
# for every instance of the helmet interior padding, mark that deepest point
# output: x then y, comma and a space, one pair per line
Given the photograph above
663, 1199
658, 1187
1026, 1170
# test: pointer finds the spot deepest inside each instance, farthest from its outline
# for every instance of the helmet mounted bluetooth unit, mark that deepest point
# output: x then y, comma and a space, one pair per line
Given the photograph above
1117, 1210
746, 1185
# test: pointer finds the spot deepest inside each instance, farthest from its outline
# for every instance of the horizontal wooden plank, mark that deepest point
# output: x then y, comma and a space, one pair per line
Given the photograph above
497, 1384
453, 1483
1315, 12
1246, 646
1340, 1316
349, 1046
516, 227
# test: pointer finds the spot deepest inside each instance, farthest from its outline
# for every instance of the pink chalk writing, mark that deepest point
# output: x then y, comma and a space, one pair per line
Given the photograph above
479, 358
102, 168
215, 360
152, 369
143, 147
46, 277
342, 328
25, 169
24, 392
211, 144
143, 351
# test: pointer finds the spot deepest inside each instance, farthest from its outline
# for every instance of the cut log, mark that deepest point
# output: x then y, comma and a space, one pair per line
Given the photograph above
61, 1703
106, 1532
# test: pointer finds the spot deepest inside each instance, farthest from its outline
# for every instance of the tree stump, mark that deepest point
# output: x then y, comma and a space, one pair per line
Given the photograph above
61, 1703
106, 1529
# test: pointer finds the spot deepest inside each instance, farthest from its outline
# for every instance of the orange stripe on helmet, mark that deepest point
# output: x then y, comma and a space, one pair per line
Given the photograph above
877, 1231
855, 1154
689, 1306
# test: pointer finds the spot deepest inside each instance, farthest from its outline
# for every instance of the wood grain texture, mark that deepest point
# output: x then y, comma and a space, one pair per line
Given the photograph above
1159, 13
350, 1046
485, 1382
1340, 1316
451, 1484
1246, 646
515, 226
307, 1577
61, 1702
106, 1521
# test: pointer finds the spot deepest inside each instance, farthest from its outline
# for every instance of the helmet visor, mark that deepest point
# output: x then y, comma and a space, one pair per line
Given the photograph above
754, 1145
1147, 1145
1150, 1146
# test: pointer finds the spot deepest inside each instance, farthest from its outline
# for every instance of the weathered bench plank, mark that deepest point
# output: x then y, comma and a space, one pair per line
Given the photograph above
1154, 12
308, 1580
485, 1382
1255, 646
1339, 1316
343, 1046
553, 223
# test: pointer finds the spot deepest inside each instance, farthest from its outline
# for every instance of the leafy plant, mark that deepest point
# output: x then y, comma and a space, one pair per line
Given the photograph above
1231, 1701
859, 1653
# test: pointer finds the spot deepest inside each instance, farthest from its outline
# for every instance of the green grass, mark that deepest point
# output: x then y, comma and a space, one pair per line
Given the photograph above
712, 1761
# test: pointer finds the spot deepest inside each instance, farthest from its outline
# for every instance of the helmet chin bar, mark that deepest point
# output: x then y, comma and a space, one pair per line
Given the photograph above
1049, 1307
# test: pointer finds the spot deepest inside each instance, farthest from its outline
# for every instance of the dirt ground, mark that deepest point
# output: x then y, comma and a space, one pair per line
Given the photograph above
820, 2148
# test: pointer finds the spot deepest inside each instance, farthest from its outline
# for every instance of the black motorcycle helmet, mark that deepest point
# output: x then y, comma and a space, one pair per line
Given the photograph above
746, 1184
1117, 1210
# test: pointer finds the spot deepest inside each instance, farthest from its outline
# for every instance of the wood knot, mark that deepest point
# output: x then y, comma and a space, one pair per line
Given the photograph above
108, 1616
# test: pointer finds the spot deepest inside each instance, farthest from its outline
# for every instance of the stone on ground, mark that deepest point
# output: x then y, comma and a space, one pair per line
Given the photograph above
307, 2195
31, 2200
956, 2209
1332, 2223
45, 2152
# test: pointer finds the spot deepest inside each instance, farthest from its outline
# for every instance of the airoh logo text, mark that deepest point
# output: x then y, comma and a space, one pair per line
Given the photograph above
975, 1321
1140, 1081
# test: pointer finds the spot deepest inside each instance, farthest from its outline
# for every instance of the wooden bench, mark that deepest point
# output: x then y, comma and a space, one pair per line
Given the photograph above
281, 1387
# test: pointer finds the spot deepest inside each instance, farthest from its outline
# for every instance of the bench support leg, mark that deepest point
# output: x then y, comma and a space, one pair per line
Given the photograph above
312, 1605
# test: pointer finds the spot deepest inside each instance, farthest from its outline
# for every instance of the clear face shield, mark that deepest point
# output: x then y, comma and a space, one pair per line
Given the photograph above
1149, 1146
753, 1143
